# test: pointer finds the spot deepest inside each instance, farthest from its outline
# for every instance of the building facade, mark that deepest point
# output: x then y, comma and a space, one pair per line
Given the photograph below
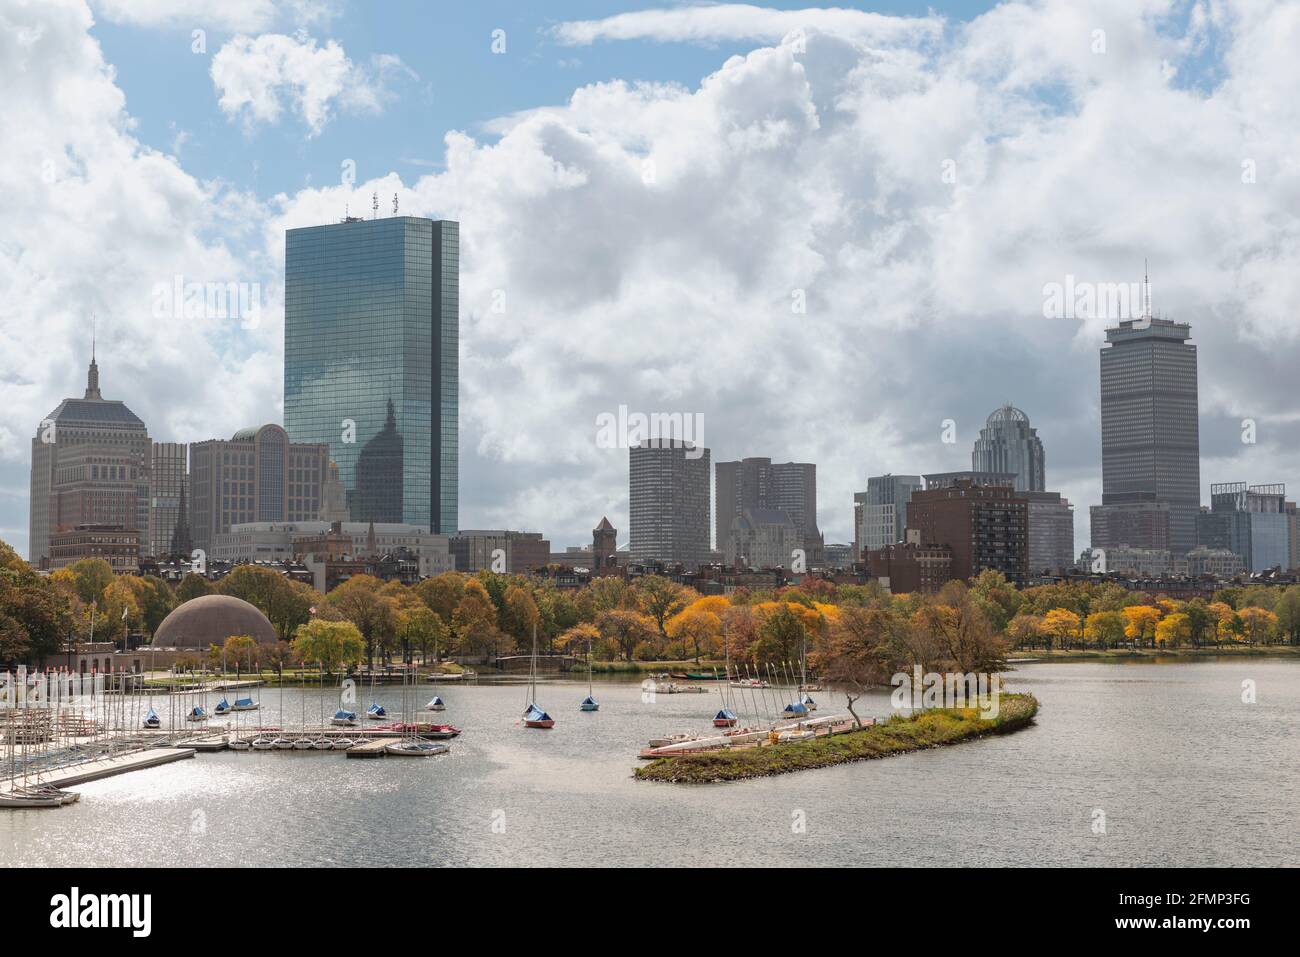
880, 513
91, 465
292, 541
168, 499
1051, 532
371, 367
500, 550
256, 476
668, 501
604, 548
762, 538
760, 484
1250, 521
986, 526
115, 544
909, 566
1150, 439
1007, 443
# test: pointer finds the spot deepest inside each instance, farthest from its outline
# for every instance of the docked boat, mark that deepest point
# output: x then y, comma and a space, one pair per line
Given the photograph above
262, 744
151, 719
802, 734
435, 704
197, 713
376, 712
239, 744
282, 744
40, 795
794, 710
302, 744
724, 719
222, 707
322, 744
344, 719
342, 744
807, 701
416, 749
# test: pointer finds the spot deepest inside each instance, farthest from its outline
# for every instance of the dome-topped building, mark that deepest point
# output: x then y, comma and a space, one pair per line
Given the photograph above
1008, 443
210, 620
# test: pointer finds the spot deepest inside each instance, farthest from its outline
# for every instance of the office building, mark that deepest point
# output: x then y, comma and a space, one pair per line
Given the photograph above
1007, 443
668, 499
761, 485
763, 538
880, 513
115, 544
500, 550
91, 464
1051, 532
1250, 521
256, 476
168, 484
371, 368
1150, 440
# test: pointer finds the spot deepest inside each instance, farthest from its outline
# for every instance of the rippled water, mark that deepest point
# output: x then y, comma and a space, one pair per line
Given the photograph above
1185, 773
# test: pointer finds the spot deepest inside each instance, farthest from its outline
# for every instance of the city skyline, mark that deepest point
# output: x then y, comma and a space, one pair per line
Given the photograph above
559, 324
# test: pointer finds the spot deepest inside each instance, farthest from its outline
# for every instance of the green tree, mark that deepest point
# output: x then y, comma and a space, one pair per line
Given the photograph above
331, 645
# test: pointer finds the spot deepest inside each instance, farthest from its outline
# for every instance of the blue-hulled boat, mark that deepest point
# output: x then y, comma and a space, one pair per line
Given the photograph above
795, 710
589, 704
376, 712
197, 713
244, 704
535, 717
344, 718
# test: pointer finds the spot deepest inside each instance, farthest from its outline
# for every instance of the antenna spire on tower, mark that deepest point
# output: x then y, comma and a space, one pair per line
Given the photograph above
1146, 292
394, 204
374, 205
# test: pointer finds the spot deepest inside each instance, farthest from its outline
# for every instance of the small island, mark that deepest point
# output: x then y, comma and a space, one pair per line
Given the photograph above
932, 728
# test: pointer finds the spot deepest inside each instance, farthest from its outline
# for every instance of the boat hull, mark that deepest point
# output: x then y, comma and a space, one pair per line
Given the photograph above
548, 723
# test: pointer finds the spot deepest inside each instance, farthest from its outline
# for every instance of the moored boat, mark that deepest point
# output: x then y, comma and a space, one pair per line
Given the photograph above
222, 706
435, 704
535, 717
244, 704
151, 719
344, 719
416, 749
724, 719
197, 714
589, 704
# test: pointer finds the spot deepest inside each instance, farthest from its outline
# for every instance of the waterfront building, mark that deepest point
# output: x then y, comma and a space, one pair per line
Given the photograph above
168, 482
880, 513
759, 484
509, 552
1007, 443
668, 496
256, 476
1150, 442
986, 526
91, 465
371, 367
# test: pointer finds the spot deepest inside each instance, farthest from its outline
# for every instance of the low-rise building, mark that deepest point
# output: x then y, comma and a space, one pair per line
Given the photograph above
910, 566
500, 550
115, 544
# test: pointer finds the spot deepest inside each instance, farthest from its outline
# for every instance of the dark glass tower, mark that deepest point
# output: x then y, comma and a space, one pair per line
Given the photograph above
371, 366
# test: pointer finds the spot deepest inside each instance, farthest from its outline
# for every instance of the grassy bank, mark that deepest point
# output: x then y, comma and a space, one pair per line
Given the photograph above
899, 735
1141, 654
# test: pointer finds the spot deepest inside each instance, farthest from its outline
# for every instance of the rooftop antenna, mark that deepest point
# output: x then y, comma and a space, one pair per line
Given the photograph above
394, 204
374, 205
1146, 292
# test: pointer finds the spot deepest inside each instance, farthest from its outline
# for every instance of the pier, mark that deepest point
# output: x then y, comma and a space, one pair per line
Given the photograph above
109, 766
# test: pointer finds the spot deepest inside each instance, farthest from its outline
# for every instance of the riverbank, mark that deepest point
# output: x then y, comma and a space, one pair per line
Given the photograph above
928, 729
1204, 652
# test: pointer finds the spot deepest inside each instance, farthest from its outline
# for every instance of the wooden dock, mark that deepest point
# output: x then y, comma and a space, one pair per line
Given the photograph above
107, 767
370, 749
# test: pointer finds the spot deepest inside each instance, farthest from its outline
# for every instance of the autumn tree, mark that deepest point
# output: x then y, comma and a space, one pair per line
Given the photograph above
359, 601
1106, 628
330, 644
859, 650
661, 598
1257, 624
1140, 623
625, 629
697, 628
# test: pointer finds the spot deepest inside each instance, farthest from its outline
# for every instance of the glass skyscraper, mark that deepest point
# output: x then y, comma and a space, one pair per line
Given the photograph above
1008, 443
371, 364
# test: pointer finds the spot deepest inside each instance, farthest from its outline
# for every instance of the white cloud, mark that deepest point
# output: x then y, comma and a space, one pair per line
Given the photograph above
256, 77
648, 238
713, 23
220, 15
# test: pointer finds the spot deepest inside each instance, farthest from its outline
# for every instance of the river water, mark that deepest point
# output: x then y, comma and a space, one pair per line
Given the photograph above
1167, 756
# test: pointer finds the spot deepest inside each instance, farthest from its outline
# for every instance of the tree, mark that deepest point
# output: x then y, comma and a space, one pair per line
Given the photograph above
858, 651
697, 628
1257, 624
1061, 624
359, 601
625, 629
1106, 628
241, 651
519, 615
331, 644
192, 586
475, 620
1140, 622
1287, 610
442, 593
1173, 630
34, 615
1024, 630
661, 598
90, 577
286, 604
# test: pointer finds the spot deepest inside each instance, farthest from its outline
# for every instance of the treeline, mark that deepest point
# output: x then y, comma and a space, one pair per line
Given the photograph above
861, 627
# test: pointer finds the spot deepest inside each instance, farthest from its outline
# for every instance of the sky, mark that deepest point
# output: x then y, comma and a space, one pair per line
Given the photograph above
830, 233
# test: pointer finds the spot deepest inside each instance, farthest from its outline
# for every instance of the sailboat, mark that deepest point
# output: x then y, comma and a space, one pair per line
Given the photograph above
344, 718
535, 717
725, 719
412, 745
376, 710
435, 704
589, 703
322, 743
302, 742
197, 713
151, 719
222, 706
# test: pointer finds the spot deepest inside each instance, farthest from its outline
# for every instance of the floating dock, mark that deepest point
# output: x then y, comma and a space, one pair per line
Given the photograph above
107, 767
370, 749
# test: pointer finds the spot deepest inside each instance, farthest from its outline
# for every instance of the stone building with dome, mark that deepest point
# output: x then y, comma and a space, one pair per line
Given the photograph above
209, 620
